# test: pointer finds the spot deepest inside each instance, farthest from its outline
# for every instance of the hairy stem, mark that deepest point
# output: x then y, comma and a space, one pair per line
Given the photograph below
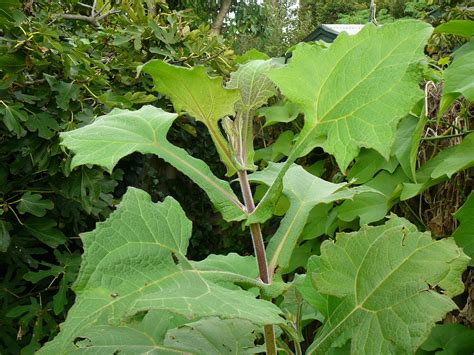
259, 250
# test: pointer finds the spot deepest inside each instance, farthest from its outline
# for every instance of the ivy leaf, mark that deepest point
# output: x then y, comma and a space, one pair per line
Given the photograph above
202, 97
458, 77
13, 116
399, 295
454, 339
444, 165
46, 125
464, 234
214, 336
121, 132
34, 204
351, 106
304, 191
135, 262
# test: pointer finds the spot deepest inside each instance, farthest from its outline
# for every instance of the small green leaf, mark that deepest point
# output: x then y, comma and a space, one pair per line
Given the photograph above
34, 204
285, 112
463, 28
202, 97
464, 234
372, 206
458, 77
252, 54
214, 336
65, 91
11, 62
121, 132
385, 278
444, 165
453, 339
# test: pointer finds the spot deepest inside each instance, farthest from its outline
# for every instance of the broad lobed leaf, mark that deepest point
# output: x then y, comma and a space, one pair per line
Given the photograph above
135, 263
385, 279
202, 97
122, 132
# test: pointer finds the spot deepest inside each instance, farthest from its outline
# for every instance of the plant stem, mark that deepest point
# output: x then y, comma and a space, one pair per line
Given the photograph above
259, 250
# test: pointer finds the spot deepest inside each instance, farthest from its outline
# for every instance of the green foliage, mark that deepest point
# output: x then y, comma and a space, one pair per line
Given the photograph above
464, 235
56, 75
453, 339
396, 297
380, 289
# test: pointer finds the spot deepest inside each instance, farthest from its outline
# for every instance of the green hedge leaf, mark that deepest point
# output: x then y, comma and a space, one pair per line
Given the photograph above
34, 204
385, 278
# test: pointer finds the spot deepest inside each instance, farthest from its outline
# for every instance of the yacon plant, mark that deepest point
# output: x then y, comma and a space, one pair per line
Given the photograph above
379, 290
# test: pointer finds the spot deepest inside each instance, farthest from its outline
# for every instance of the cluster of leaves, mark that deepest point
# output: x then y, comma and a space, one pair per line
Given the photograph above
379, 289
58, 74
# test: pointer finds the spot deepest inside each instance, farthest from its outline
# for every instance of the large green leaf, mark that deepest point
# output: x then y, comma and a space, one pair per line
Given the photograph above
214, 336
135, 262
454, 339
202, 97
255, 89
122, 132
464, 28
385, 278
444, 165
459, 77
349, 106
464, 234
304, 192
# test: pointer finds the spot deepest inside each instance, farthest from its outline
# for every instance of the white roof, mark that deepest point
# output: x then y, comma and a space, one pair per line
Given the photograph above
337, 28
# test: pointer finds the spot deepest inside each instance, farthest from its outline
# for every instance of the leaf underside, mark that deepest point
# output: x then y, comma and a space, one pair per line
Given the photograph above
135, 263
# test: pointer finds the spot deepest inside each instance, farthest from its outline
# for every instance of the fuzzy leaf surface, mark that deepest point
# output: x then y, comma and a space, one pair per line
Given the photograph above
304, 192
135, 263
202, 97
349, 106
122, 132
384, 277
214, 336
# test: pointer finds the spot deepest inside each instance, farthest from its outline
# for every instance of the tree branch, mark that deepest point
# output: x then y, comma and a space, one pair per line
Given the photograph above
95, 16
219, 20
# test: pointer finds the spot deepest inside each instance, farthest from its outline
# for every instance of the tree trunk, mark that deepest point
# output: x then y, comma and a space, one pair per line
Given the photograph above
219, 20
